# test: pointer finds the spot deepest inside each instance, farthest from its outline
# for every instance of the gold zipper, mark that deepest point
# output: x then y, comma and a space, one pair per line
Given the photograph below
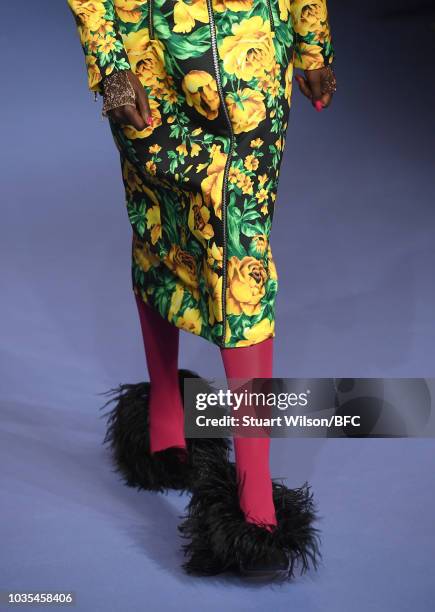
227, 165
272, 23
150, 19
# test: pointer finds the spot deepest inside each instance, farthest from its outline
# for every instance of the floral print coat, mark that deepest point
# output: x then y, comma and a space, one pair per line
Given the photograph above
201, 182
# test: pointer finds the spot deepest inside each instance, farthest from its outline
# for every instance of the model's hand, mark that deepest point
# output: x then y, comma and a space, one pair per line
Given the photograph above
313, 86
139, 117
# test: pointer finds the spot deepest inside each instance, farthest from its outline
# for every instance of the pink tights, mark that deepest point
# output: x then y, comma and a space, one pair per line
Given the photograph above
161, 341
166, 414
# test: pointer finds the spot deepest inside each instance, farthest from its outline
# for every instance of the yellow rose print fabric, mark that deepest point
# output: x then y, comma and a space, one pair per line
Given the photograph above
201, 182
313, 36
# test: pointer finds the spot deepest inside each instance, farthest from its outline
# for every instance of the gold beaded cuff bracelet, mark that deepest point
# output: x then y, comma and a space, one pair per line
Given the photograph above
117, 91
329, 82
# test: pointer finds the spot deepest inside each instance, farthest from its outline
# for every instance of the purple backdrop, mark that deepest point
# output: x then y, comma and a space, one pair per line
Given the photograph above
353, 241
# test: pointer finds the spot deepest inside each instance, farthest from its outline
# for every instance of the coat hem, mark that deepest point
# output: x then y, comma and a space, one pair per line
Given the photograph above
199, 334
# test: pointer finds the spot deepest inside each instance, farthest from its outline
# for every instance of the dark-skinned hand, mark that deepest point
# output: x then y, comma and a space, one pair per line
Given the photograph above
129, 115
311, 86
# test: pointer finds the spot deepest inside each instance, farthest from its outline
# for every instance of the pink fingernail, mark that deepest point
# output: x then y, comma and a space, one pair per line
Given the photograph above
318, 105
149, 120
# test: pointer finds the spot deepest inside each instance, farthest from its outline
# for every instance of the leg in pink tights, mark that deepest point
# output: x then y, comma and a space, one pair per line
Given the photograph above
166, 414
252, 454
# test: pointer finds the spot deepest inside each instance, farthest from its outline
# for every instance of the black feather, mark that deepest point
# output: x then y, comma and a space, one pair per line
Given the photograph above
127, 436
221, 539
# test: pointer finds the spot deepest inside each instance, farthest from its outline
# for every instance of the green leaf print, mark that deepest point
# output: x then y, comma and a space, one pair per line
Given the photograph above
252, 229
250, 215
121, 64
195, 248
203, 309
137, 216
186, 46
235, 246
138, 274
162, 295
161, 27
169, 215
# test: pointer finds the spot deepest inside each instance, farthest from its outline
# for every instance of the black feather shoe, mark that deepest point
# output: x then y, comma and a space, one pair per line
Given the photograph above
220, 539
128, 439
